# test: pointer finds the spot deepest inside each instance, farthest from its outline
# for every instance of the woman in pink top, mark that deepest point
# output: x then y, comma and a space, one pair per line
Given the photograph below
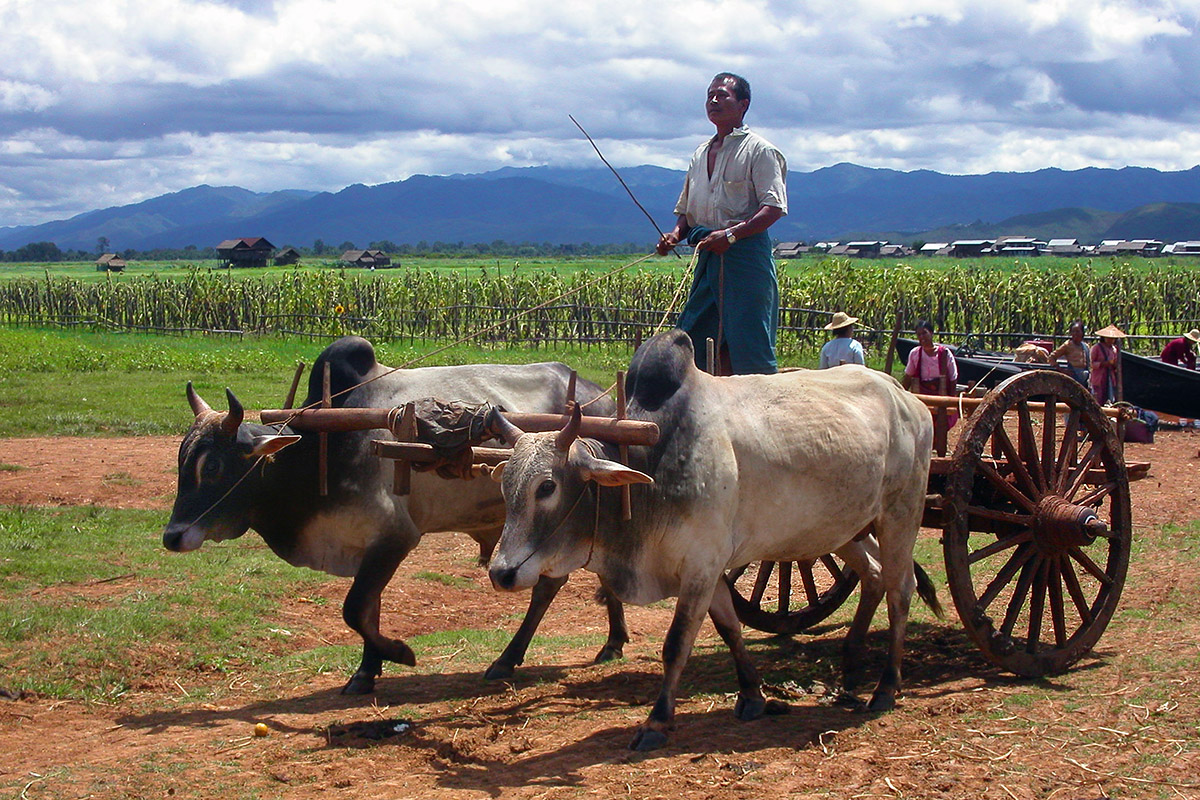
1105, 355
931, 366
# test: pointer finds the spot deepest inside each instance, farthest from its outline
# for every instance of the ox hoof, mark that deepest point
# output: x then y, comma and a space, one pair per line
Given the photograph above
881, 701
360, 683
748, 708
610, 652
499, 671
648, 739
399, 653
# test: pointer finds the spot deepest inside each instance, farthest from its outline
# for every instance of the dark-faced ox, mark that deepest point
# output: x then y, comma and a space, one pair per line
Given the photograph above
235, 475
748, 468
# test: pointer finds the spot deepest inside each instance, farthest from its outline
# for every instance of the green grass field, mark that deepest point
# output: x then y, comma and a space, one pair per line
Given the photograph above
116, 384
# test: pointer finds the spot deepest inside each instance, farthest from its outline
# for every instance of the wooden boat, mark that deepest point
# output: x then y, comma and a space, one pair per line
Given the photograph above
1149, 383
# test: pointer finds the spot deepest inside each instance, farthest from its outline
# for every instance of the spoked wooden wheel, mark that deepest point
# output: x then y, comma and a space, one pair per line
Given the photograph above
790, 596
1036, 523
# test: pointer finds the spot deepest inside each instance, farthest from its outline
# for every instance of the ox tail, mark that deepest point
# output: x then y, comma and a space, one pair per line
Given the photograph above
928, 591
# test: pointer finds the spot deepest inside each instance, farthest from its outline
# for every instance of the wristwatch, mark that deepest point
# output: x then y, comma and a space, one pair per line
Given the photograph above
729, 235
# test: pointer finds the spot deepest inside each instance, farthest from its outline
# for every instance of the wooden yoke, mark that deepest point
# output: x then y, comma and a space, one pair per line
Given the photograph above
290, 400
323, 437
626, 499
623, 431
405, 430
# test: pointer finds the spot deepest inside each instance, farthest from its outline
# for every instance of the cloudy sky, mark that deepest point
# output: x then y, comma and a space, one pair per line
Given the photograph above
106, 102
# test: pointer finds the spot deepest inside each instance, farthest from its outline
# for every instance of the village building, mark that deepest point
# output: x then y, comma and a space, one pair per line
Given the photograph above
110, 262
1064, 247
1019, 246
1146, 248
368, 259
287, 256
246, 252
971, 248
790, 249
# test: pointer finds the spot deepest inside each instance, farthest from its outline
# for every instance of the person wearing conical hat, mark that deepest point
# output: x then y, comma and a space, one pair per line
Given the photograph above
1182, 350
1105, 356
843, 348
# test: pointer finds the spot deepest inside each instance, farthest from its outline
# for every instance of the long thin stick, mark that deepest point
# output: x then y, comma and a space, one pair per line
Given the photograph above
622, 180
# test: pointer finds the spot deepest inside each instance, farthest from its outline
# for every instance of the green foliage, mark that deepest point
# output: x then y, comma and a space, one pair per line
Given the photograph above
437, 301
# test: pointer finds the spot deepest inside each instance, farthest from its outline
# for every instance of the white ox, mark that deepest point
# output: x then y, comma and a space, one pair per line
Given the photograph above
747, 468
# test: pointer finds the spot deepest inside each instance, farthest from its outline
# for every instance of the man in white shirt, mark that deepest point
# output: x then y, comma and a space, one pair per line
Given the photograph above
735, 189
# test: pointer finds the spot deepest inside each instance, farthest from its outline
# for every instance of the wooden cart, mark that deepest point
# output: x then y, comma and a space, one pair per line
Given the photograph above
1032, 504
1033, 509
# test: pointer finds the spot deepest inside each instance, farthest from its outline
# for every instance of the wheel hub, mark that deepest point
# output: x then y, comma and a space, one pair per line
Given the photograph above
1060, 525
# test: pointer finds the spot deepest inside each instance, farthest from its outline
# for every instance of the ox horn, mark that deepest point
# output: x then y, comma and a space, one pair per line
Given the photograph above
196, 401
497, 425
235, 416
570, 431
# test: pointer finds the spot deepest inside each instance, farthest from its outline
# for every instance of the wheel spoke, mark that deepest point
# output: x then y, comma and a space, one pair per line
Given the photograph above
785, 586
1028, 447
1006, 573
808, 582
1075, 590
1080, 472
1000, 516
760, 582
1090, 566
1049, 423
1000, 545
1057, 612
1004, 486
1037, 607
1017, 601
1094, 497
834, 568
1068, 450
1013, 456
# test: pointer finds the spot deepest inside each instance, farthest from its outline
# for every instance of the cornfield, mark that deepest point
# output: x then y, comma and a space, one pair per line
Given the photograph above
627, 307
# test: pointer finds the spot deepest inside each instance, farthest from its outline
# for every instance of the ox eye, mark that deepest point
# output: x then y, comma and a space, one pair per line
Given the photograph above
210, 469
545, 489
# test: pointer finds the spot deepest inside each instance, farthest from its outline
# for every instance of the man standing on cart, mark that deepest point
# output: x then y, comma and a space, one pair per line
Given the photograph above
734, 190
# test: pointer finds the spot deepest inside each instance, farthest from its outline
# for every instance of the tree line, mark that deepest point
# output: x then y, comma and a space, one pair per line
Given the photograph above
38, 252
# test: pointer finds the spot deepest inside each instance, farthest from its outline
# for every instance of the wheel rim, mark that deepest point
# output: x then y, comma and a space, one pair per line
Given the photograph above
790, 596
1036, 524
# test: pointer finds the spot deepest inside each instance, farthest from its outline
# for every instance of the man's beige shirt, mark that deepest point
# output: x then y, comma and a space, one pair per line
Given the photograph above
750, 173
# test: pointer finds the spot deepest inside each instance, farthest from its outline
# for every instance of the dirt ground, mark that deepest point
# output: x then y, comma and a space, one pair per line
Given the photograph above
963, 729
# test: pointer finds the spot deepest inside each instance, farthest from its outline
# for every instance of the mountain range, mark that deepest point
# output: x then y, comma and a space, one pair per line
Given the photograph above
561, 205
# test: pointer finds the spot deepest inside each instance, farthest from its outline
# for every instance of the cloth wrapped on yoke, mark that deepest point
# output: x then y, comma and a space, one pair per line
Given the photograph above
452, 428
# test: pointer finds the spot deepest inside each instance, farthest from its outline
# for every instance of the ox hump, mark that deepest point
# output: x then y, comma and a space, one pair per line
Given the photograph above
351, 361
659, 368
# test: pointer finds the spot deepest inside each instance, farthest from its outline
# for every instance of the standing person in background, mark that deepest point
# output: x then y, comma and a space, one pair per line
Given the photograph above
1075, 352
1182, 349
1104, 359
931, 368
734, 190
843, 348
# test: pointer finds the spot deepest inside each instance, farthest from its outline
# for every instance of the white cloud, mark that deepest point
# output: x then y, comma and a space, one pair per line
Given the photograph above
319, 94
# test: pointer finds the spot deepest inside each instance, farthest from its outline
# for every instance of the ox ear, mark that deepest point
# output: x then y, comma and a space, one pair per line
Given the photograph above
271, 444
610, 473
497, 472
235, 416
196, 401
